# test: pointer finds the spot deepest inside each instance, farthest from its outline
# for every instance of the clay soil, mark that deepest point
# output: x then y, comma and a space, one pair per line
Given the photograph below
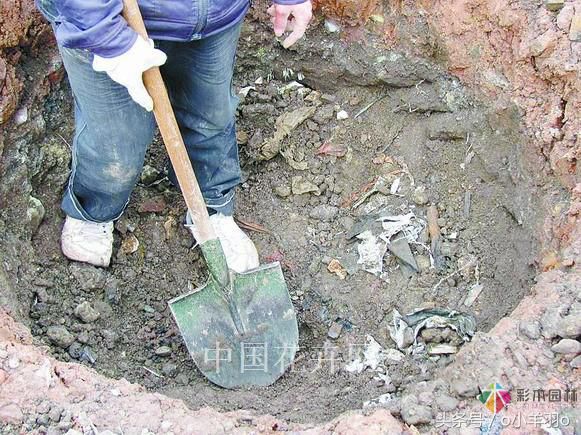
448, 149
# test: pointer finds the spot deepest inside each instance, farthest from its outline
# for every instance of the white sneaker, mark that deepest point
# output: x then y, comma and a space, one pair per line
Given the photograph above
240, 252
88, 242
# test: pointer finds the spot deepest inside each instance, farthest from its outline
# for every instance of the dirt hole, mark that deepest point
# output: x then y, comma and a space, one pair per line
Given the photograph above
418, 125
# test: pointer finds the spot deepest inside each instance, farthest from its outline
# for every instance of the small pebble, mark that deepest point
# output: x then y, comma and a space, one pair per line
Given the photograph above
567, 346
335, 330
163, 351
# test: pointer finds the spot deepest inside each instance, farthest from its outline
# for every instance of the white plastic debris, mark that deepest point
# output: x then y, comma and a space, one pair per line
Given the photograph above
245, 90
342, 115
331, 26
259, 80
395, 186
292, 86
373, 356
371, 250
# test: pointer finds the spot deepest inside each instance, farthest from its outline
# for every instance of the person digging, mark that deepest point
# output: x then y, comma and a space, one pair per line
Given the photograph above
194, 43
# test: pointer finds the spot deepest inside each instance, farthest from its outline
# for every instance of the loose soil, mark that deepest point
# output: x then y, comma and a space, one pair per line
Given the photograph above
465, 154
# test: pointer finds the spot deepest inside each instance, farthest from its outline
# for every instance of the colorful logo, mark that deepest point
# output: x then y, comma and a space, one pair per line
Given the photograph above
495, 397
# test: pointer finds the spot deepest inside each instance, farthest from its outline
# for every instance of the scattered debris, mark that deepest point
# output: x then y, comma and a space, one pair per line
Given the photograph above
463, 324
335, 267
435, 236
441, 349
371, 250
285, 124
330, 149
401, 249
473, 294
373, 356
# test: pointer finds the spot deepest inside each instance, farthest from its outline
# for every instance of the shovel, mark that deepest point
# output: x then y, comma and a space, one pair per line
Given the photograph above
240, 328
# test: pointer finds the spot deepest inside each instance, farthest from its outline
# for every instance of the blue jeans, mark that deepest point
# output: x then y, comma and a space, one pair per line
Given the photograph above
112, 132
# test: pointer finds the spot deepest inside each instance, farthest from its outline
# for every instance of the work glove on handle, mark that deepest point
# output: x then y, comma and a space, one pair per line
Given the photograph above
127, 69
291, 18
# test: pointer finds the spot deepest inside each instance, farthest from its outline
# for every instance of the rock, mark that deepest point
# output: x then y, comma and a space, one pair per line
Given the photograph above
113, 291
75, 350
34, 213
414, 413
575, 363
432, 335
575, 29
130, 244
283, 191
300, 186
342, 115
83, 337
60, 336
88, 277
549, 323
153, 205
467, 265
464, 387
565, 16
163, 351
530, 329
86, 312
169, 369
149, 175
324, 212
420, 196
554, 5
11, 414
335, 330
446, 403
567, 345
569, 326
55, 413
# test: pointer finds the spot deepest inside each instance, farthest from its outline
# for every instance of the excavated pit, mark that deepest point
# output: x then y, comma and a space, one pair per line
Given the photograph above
446, 147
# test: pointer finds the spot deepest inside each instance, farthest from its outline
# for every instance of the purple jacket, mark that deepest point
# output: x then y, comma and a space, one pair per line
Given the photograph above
97, 25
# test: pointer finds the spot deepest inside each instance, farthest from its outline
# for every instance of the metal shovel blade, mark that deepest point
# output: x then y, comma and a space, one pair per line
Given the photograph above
241, 334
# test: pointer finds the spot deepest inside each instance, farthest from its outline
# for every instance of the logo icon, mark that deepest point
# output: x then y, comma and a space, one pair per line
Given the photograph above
495, 398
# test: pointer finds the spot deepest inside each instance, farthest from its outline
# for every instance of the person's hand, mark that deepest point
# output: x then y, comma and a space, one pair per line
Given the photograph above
127, 69
292, 18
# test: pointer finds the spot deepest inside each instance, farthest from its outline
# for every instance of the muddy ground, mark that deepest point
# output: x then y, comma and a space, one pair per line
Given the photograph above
461, 154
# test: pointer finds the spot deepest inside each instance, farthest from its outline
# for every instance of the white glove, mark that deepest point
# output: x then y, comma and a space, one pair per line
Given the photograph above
127, 69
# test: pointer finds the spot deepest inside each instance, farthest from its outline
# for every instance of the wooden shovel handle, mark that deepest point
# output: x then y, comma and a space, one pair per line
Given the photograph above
171, 135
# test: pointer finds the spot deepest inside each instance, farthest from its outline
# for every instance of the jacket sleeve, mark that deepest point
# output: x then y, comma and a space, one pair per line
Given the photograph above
94, 25
289, 2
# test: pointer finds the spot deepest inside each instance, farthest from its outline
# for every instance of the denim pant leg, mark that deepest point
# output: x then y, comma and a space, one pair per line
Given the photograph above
198, 75
111, 136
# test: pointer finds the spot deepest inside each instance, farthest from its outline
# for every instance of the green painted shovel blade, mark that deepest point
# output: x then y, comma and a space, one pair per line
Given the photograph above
243, 333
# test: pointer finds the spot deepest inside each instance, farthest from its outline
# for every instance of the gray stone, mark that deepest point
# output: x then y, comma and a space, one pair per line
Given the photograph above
324, 212
576, 362
549, 323
60, 336
86, 313
414, 413
88, 355
464, 387
55, 413
569, 327
567, 346
113, 291
335, 330
163, 351
530, 329
446, 403
420, 196
75, 350
283, 191
88, 277
34, 213
169, 369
